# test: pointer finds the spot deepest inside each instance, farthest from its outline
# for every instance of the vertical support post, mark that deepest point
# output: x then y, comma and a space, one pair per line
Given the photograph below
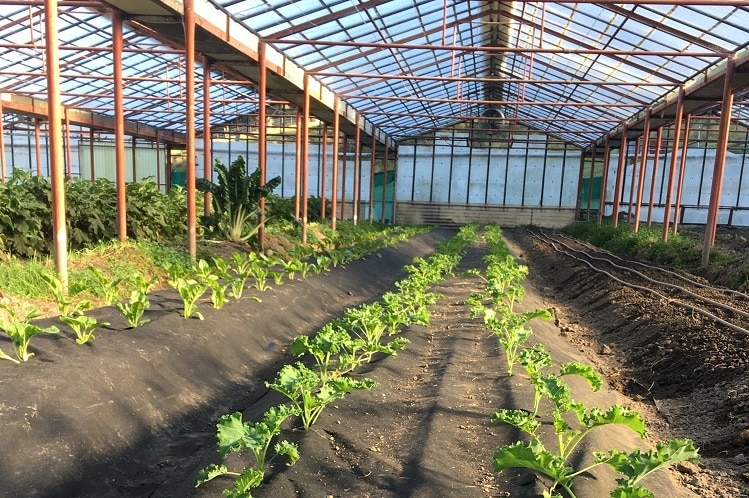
643, 167
38, 145
620, 175
59, 228
654, 177
370, 213
590, 179
68, 147
119, 127
633, 182
682, 170
384, 178
578, 202
91, 153
298, 164
189, 20
357, 169
2, 144
720, 160
262, 132
132, 151
158, 160
305, 159
672, 165
334, 186
323, 169
343, 177
604, 178
207, 137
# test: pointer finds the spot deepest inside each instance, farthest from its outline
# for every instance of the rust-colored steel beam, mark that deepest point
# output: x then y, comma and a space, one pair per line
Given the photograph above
510, 119
720, 161
189, 26
654, 177
38, 146
620, 175
370, 207
478, 79
323, 168
305, 158
604, 178
298, 165
59, 226
357, 170
493, 49
590, 182
119, 127
578, 203
682, 169
643, 168
484, 102
207, 138
262, 139
91, 154
68, 146
633, 183
343, 177
2, 144
672, 164
384, 180
336, 141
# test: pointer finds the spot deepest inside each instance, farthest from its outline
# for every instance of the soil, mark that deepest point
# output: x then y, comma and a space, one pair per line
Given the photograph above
134, 413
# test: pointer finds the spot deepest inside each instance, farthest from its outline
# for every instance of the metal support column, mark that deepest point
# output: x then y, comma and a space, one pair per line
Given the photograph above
643, 167
721, 149
298, 165
59, 228
620, 176
384, 178
2, 144
262, 133
189, 20
323, 169
119, 126
207, 138
357, 170
654, 177
604, 178
672, 165
334, 186
682, 169
38, 145
370, 212
305, 158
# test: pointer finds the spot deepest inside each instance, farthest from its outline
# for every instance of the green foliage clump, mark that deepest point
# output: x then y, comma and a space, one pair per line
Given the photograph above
679, 251
236, 200
91, 213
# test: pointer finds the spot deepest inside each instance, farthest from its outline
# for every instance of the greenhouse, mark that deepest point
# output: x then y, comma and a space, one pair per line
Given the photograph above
502, 243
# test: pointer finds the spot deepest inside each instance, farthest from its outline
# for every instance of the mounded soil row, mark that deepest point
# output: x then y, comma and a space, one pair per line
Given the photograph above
134, 414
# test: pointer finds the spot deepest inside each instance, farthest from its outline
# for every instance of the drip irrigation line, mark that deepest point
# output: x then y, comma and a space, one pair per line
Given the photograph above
653, 267
658, 282
694, 309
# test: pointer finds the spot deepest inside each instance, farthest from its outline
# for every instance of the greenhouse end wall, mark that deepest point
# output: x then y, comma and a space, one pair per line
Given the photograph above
452, 184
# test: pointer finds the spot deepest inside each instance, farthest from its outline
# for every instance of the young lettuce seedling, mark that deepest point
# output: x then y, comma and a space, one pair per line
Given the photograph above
133, 309
83, 326
20, 332
108, 289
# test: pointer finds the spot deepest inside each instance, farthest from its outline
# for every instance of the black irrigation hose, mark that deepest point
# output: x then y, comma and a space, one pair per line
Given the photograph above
653, 267
694, 309
717, 304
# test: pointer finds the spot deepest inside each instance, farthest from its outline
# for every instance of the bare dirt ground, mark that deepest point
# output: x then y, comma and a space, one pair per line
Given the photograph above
134, 414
